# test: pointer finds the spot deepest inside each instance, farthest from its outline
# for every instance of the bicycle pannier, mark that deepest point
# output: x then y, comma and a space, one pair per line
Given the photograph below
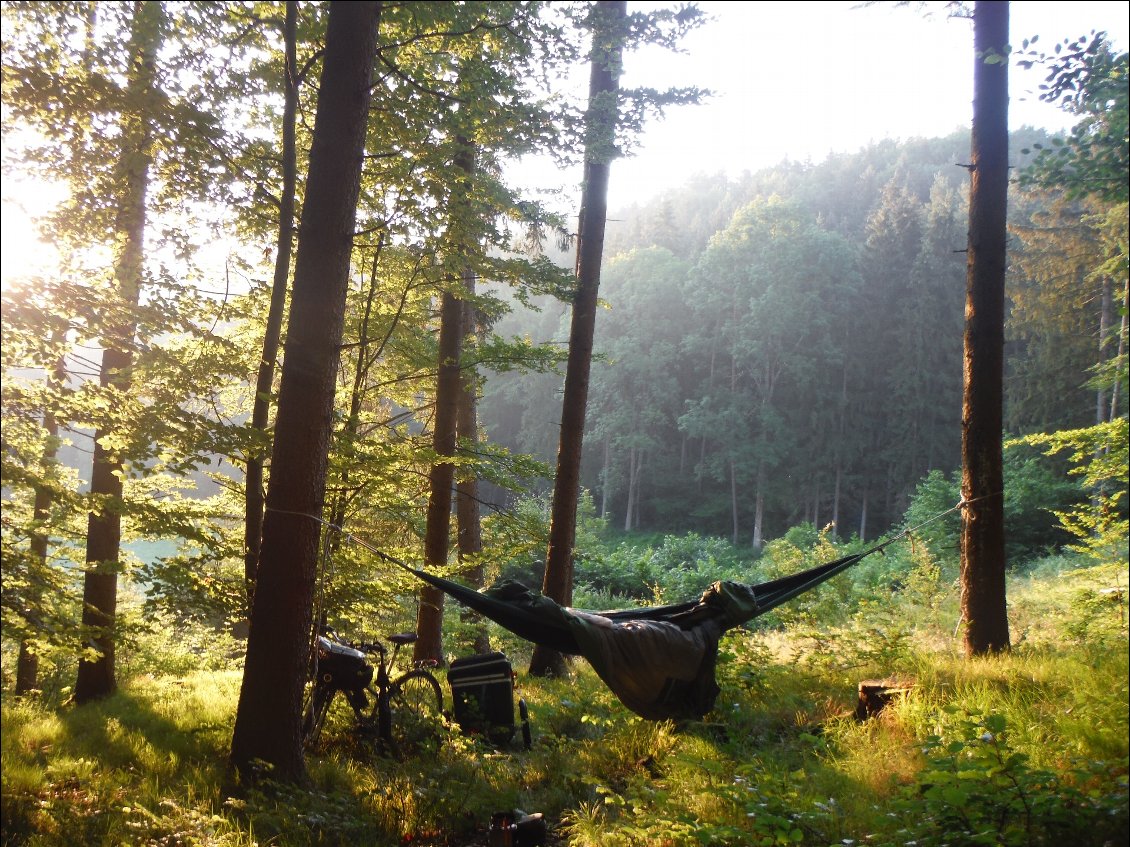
343, 667
482, 690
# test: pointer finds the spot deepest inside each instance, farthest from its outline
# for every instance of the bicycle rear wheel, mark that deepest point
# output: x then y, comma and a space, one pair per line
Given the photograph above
416, 704
314, 715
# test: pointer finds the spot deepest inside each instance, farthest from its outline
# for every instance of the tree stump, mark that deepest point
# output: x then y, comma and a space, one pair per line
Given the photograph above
875, 694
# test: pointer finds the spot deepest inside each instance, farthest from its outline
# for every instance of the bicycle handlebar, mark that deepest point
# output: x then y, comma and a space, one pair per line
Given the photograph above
364, 646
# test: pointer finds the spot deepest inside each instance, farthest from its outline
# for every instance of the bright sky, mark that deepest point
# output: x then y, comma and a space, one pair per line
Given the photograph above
793, 80
798, 80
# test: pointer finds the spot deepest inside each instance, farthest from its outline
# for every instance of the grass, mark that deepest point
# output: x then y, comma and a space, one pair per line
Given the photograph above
1026, 748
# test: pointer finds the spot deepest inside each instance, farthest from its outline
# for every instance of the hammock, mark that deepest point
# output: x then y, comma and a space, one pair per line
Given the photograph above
659, 660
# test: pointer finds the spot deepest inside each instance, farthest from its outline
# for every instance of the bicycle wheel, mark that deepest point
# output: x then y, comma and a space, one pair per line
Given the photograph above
416, 704
314, 715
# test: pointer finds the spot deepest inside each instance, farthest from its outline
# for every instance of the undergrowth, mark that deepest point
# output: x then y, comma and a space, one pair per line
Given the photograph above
1026, 748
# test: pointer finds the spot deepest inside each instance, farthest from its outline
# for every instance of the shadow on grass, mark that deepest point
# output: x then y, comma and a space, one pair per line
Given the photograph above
77, 773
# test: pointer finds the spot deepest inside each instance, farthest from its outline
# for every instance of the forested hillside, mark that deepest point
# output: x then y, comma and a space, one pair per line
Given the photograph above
786, 346
291, 354
779, 348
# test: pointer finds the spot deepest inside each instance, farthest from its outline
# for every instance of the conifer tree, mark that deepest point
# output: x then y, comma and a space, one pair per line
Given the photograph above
983, 604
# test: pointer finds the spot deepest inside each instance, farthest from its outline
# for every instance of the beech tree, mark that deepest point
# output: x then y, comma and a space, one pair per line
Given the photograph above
442, 476
272, 334
268, 719
138, 140
607, 24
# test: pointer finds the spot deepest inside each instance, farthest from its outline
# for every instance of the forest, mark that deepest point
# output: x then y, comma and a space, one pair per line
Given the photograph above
301, 333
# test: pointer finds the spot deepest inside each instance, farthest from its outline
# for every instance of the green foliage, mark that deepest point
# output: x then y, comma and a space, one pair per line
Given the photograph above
779, 761
1088, 78
977, 788
1101, 460
1036, 489
677, 568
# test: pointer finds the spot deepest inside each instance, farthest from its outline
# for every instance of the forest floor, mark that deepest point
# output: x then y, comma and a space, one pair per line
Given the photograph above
1026, 748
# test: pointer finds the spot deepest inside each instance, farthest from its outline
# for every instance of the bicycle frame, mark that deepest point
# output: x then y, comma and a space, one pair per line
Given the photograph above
347, 667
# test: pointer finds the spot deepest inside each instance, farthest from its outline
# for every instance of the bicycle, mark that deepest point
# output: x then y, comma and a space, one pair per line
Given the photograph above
406, 712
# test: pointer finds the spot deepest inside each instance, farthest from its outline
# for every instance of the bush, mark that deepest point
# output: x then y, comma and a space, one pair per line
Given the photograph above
1034, 492
977, 789
680, 568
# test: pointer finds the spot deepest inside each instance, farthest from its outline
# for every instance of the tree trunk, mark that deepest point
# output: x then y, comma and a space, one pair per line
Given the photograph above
1104, 331
734, 525
702, 443
260, 410
449, 391
840, 454
759, 509
641, 457
983, 604
268, 718
1120, 354
608, 21
468, 519
604, 487
437, 535
863, 518
632, 493
27, 662
836, 500
104, 525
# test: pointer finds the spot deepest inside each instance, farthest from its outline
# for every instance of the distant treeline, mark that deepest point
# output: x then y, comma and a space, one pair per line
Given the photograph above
787, 346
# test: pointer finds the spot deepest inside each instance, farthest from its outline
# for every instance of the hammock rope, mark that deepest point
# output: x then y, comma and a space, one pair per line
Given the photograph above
658, 660
769, 594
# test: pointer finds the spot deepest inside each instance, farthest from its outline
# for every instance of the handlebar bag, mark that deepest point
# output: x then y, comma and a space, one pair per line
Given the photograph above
343, 667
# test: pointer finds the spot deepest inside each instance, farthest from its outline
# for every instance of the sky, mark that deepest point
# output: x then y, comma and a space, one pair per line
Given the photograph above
791, 80
798, 80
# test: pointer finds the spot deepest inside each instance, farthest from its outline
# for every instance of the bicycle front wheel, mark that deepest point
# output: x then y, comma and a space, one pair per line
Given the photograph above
314, 715
416, 704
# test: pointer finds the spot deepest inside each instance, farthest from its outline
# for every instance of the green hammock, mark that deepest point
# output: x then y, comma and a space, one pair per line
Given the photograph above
536, 618
658, 660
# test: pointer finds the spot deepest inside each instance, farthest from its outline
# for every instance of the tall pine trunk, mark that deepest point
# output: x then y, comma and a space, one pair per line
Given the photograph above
608, 21
268, 719
264, 382
983, 604
96, 677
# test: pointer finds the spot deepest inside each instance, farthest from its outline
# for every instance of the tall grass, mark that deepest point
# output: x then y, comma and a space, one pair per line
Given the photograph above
1026, 748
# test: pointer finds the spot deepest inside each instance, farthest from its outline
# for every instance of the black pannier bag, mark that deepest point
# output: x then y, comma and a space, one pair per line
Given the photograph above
344, 669
482, 691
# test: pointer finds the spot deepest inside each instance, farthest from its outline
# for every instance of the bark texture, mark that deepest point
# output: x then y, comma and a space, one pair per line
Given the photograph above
983, 604
265, 379
268, 718
96, 678
604, 84
437, 537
